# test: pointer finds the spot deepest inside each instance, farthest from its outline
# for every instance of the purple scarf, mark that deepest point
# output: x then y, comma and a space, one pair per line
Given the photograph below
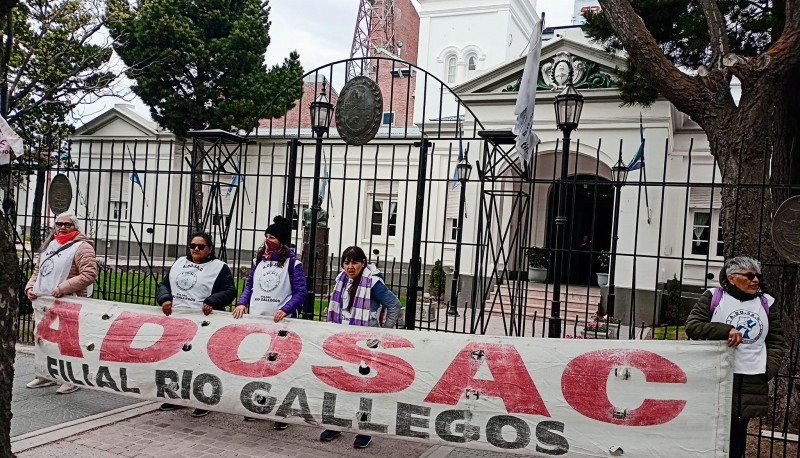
361, 303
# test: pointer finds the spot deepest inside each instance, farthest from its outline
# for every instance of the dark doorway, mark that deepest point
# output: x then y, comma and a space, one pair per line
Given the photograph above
590, 212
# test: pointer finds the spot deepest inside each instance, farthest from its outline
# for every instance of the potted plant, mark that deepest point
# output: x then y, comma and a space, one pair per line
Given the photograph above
602, 275
602, 327
538, 260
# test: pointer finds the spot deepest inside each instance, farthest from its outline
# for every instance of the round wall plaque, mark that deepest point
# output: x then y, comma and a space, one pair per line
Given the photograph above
786, 229
359, 111
60, 194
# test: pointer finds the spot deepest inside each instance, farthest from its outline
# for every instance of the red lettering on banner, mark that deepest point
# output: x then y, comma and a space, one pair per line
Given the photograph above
67, 336
382, 373
584, 386
117, 345
512, 382
283, 351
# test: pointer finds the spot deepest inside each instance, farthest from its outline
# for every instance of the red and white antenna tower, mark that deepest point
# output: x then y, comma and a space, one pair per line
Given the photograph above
374, 30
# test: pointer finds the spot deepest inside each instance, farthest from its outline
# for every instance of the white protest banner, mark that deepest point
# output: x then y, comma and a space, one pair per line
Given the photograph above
533, 396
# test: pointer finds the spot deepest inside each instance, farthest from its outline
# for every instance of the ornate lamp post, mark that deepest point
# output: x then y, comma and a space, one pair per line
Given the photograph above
464, 170
321, 113
619, 173
568, 105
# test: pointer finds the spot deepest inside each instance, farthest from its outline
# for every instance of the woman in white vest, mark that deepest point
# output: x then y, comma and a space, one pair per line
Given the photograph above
748, 318
196, 282
276, 285
66, 266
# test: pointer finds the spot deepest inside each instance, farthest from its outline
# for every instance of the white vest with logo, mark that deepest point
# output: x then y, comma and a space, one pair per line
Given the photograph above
749, 318
192, 283
272, 288
54, 268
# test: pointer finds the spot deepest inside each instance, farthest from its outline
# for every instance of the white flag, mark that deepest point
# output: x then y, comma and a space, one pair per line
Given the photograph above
10, 143
526, 99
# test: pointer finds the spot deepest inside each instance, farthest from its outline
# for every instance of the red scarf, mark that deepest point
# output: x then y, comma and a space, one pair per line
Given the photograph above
63, 239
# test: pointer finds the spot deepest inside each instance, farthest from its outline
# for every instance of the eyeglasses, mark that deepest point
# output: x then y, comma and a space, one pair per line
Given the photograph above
749, 275
60, 224
197, 246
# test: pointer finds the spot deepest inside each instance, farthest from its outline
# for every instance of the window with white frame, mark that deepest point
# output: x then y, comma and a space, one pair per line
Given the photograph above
451, 69
706, 235
119, 196
119, 210
471, 64
453, 228
382, 217
388, 118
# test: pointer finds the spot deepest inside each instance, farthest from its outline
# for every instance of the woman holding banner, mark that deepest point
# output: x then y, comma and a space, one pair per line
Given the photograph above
276, 285
358, 297
197, 281
66, 266
744, 315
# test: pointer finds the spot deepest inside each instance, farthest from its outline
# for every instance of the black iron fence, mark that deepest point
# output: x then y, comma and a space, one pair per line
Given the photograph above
460, 253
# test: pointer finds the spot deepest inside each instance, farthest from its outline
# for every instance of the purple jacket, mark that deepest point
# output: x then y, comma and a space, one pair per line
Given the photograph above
297, 279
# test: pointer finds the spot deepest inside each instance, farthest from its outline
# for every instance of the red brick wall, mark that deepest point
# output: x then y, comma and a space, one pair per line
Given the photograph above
398, 93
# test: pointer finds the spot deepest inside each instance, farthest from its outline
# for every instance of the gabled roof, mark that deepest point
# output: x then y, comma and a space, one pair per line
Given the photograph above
119, 121
571, 41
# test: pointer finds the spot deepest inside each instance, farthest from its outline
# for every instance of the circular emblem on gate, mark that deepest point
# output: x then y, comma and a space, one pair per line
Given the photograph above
359, 111
60, 194
46, 268
748, 323
186, 280
269, 281
786, 229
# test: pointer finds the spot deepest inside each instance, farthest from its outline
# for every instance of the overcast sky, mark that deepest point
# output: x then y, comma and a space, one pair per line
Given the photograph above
322, 32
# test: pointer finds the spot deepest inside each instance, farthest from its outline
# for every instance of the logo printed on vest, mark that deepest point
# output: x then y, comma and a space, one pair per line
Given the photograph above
270, 279
748, 323
46, 268
186, 280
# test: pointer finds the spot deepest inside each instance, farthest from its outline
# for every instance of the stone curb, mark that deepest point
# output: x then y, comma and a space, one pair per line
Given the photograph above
81, 425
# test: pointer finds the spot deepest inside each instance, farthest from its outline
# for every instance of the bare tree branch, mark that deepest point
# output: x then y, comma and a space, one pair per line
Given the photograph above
716, 27
685, 92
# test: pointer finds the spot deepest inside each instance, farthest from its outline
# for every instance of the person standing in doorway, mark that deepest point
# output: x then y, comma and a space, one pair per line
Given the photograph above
66, 266
196, 282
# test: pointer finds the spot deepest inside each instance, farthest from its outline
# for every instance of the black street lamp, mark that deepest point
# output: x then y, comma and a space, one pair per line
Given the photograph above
619, 173
321, 113
568, 105
464, 169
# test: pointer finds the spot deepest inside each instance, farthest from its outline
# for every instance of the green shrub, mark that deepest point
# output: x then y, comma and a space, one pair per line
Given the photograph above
538, 257
436, 280
672, 303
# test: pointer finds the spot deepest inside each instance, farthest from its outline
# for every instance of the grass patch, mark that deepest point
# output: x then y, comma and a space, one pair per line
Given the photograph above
669, 333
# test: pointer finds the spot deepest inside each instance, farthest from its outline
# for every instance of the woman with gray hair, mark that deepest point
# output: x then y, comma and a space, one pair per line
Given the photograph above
66, 265
747, 317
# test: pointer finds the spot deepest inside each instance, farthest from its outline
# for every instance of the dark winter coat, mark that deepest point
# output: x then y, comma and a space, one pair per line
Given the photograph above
750, 392
222, 293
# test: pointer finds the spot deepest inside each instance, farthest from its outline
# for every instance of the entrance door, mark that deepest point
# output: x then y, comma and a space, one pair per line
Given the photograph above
590, 207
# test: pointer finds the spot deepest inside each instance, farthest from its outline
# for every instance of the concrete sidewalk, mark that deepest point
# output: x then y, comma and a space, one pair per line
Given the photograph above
94, 424
36, 409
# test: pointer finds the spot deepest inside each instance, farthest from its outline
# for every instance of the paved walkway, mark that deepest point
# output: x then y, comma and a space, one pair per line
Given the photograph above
94, 424
42, 407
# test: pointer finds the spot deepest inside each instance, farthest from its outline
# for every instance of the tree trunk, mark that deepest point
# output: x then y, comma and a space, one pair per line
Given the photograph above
755, 157
8, 332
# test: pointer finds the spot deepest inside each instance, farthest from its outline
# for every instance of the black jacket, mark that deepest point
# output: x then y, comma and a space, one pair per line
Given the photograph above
222, 294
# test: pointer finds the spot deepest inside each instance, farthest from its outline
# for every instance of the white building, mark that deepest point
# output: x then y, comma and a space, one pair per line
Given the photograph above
478, 48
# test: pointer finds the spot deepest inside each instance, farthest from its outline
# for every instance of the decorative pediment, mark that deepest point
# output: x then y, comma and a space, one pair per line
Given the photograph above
554, 73
593, 68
